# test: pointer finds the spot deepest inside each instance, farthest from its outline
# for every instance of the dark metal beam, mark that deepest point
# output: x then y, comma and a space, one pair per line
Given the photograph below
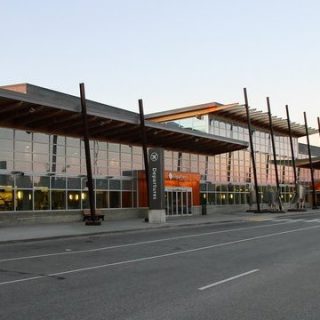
274, 154
54, 153
293, 158
87, 153
314, 203
252, 151
144, 147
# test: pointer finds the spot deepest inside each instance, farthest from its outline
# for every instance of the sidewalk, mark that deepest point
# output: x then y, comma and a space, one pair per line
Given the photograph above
74, 229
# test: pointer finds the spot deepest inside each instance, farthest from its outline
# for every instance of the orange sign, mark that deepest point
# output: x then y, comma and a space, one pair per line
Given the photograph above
173, 179
184, 179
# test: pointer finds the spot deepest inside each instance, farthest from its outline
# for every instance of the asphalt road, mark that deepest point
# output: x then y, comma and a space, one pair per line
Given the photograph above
253, 270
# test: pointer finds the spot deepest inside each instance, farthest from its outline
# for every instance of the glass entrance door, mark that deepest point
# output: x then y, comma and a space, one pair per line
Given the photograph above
178, 201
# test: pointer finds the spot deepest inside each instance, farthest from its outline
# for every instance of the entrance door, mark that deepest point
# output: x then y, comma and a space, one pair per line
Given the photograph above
178, 201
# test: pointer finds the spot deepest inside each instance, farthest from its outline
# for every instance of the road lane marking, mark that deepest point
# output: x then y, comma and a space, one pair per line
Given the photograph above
227, 280
138, 243
176, 253
20, 280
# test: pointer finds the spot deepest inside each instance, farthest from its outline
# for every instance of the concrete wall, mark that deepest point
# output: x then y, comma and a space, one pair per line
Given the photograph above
227, 209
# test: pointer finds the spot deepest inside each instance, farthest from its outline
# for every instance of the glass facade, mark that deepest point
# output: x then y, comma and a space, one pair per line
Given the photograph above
48, 172
227, 178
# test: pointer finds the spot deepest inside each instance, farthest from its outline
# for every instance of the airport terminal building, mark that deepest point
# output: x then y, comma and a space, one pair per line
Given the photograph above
206, 156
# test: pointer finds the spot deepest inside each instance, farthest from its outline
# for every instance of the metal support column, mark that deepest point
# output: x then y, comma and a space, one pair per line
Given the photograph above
144, 146
314, 204
252, 151
93, 218
54, 153
274, 155
292, 149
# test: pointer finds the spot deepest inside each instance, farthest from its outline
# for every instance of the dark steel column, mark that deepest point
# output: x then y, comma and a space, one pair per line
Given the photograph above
274, 154
144, 146
292, 150
314, 204
319, 125
252, 151
54, 153
87, 152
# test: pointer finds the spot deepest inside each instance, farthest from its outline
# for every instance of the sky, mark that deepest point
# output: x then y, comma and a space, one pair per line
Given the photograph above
170, 53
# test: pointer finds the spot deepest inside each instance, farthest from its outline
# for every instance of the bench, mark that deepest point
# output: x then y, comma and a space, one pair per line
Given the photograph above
86, 215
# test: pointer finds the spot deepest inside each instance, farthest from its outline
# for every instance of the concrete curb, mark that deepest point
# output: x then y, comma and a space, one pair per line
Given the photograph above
125, 230
236, 219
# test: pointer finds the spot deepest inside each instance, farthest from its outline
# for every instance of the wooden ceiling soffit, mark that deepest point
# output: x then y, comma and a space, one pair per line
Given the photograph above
133, 133
173, 140
233, 112
10, 107
77, 125
160, 134
186, 114
64, 121
17, 116
257, 116
113, 131
41, 117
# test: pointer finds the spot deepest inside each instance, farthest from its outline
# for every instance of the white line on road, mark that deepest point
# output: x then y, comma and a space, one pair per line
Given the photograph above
20, 280
227, 280
139, 243
176, 253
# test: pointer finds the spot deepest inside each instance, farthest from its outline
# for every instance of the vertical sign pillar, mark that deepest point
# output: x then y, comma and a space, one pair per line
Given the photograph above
252, 151
157, 212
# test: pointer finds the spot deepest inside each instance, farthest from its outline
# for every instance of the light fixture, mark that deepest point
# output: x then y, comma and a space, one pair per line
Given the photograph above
19, 195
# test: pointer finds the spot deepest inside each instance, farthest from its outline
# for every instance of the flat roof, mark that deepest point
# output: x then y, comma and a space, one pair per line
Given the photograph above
233, 113
36, 109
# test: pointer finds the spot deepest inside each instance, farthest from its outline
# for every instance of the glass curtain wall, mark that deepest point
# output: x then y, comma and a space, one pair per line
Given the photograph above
226, 179
48, 172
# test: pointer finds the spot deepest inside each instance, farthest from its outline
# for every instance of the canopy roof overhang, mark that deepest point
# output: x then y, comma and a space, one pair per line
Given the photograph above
35, 109
304, 163
233, 113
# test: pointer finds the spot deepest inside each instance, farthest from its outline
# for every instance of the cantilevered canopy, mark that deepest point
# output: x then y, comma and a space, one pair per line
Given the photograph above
304, 163
31, 108
234, 113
